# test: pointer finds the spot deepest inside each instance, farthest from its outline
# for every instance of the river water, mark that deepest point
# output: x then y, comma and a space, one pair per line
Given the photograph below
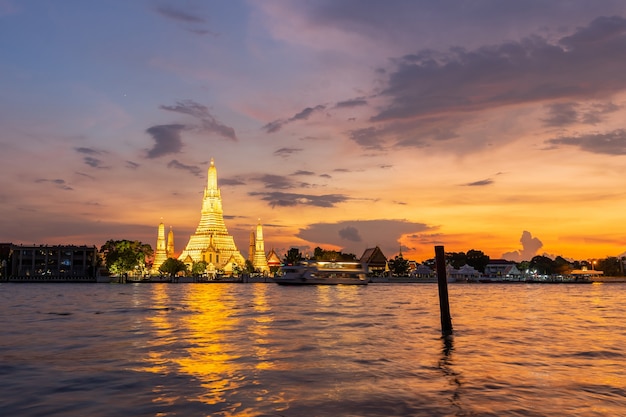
267, 350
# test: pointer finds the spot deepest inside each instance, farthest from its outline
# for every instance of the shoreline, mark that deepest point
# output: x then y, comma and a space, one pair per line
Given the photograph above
270, 280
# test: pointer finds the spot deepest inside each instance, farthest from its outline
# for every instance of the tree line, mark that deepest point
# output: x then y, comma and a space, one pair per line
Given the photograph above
131, 256
125, 256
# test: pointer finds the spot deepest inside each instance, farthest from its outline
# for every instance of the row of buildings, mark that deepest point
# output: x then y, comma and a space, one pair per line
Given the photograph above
48, 263
212, 245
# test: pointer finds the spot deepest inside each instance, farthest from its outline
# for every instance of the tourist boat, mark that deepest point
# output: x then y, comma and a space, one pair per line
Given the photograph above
323, 273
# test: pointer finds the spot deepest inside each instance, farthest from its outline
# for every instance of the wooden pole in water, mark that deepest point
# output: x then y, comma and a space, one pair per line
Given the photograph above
442, 281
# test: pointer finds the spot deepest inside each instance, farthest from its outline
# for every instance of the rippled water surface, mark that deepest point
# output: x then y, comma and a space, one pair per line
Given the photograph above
267, 350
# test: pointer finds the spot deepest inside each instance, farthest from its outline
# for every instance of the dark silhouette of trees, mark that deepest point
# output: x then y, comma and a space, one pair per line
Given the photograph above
542, 264
610, 266
332, 255
293, 257
456, 259
398, 266
561, 266
474, 258
477, 259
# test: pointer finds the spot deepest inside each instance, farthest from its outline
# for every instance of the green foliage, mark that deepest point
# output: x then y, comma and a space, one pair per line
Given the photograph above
122, 256
523, 266
172, 266
249, 267
398, 266
293, 257
274, 269
198, 268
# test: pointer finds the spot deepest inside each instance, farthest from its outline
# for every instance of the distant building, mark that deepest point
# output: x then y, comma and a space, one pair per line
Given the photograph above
273, 260
375, 260
5, 255
423, 271
52, 263
464, 273
502, 269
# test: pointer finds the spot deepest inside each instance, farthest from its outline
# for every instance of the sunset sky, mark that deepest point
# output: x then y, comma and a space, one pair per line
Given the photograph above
490, 125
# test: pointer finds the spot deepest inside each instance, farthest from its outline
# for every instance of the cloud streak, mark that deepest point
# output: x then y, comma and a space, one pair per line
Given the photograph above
431, 83
276, 125
179, 15
357, 235
209, 123
282, 199
167, 140
59, 183
193, 169
611, 143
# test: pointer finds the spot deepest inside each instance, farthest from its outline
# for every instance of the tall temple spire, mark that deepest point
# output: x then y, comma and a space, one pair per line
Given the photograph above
211, 231
170, 243
252, 247
212, 178
260, 260
160, 254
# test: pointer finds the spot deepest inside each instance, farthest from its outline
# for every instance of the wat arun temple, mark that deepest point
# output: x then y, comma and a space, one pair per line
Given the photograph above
211, 242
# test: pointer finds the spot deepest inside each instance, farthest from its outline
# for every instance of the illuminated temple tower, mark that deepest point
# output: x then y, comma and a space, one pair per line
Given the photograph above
160, 255
259, 259
170, 243
211, 242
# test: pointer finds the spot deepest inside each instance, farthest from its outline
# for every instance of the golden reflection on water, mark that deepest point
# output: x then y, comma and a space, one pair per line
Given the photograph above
260, 326
209, 357
203, 343
276, 347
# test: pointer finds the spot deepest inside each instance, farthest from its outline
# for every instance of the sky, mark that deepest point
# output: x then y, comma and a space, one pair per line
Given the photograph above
345, 124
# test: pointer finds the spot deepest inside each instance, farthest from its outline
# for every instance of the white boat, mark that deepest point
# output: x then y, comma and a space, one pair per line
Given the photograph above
323, 273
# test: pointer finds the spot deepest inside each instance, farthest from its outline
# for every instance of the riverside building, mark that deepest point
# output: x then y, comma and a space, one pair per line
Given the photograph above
51, 263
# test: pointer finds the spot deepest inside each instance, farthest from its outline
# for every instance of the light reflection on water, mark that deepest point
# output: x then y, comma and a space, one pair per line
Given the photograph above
267, 350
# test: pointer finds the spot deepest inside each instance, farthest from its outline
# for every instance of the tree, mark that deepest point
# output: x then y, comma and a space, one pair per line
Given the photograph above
274, 269
172, 266
610, 266
477, 259
542, 264
332, 255
198, 268
293, 257
123, 256
561, 266
249, 267
398, 266
523, 266
456, 259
